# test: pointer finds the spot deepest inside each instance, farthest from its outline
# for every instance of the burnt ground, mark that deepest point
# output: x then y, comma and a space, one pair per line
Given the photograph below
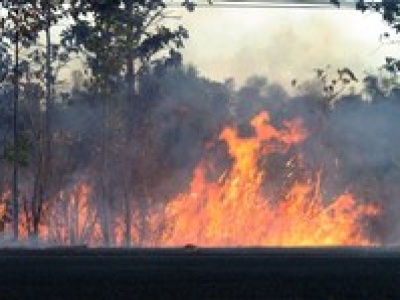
79, 273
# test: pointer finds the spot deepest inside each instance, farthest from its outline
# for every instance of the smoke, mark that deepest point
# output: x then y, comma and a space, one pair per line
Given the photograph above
283, 44
8, 241
354, 143
136, 159
365, 138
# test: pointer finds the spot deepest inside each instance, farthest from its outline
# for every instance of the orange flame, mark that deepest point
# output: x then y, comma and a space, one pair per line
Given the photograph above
72, 219
4, 199
233, 212
230, 211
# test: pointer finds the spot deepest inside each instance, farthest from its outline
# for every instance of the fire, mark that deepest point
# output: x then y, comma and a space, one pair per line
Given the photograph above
4, 198
233, 211
72, 219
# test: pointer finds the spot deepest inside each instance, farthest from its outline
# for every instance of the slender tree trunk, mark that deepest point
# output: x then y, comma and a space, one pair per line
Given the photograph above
36, 201
15, 126
44, 138
130, 73
3, 186
104, 208
35, 211
105, 199
3, 189
128, 217
49, 82
45, 141
73, 222
31, 215
130, 81
143, 209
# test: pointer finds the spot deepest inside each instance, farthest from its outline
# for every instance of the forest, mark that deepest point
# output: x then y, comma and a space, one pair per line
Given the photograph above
134, 148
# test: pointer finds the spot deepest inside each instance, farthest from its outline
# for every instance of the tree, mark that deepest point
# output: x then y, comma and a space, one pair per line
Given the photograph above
21, 27
121, 41
390, 11
47, 14
127, 29
17, 29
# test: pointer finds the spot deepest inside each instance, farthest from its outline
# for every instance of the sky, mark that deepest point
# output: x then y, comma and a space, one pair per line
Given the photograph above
283, 44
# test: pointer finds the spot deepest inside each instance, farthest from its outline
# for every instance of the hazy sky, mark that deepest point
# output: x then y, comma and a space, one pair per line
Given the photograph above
282, 43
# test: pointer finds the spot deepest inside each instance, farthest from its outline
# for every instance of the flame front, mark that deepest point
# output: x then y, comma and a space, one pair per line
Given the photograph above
234, 212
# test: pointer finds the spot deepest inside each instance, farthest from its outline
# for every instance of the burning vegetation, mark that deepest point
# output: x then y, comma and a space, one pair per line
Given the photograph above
141, 150
233, 211
227, 202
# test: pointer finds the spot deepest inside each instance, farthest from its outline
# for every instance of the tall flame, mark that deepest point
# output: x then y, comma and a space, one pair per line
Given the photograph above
230, 211
233, 211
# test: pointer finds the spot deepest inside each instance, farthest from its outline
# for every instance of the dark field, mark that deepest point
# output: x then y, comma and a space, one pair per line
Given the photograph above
79, 273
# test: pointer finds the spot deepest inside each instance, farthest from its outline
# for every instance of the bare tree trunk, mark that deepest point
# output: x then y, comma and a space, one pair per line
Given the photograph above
15, 126
104, 210
128, 217
130, 81
49, 100
45, 137
143, 209
37, 193
73, 222
130, 73
104, 207
3, 188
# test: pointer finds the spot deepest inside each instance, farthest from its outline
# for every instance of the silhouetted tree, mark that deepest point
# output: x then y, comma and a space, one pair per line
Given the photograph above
121, 41
24, 22
18, 28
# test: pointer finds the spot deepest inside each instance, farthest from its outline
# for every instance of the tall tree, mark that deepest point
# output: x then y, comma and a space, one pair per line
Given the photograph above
47, 14
133, 30
17, 28
22, 26
122, 40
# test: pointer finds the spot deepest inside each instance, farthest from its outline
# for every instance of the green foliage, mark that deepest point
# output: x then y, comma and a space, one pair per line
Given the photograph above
25, 20
122, 35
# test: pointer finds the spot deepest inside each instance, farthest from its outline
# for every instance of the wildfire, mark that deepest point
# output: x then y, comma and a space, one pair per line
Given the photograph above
3, 200
230, 211
72, 218
233, 211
